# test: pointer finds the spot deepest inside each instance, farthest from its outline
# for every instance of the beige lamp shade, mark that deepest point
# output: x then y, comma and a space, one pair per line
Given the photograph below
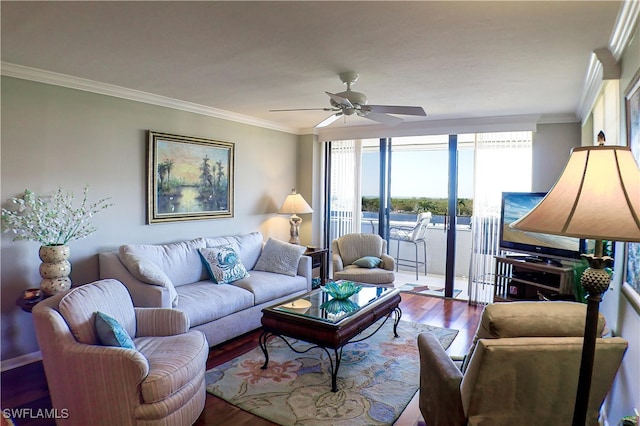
596, 197
295, 204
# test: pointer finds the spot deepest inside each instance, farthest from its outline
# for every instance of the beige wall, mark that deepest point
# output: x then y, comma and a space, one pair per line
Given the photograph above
309, 186
552, 144
53, 136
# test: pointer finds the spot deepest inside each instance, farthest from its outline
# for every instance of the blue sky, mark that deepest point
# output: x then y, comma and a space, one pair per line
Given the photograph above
419, 174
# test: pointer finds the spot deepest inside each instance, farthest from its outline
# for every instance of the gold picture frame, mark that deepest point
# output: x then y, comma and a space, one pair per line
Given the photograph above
188, 178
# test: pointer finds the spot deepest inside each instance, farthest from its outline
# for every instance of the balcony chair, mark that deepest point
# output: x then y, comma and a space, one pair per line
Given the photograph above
522, 368
351, 248
415, 235
159, 382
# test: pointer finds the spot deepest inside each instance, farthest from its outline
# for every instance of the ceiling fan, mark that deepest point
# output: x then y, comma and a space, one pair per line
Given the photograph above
350, 102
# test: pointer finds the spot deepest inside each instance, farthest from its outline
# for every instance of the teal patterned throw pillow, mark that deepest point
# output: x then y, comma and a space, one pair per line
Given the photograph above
111, 332
223, 263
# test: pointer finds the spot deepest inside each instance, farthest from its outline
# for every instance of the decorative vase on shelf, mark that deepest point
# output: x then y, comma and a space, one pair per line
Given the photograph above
55, 268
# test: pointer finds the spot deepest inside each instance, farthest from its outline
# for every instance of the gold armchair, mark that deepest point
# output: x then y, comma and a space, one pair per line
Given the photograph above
522, 368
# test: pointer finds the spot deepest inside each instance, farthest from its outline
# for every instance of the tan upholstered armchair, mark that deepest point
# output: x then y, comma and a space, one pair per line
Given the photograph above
351, 247
160, 382
522, 368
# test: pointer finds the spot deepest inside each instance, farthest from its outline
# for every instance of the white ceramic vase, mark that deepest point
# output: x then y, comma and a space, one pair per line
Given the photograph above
54, 269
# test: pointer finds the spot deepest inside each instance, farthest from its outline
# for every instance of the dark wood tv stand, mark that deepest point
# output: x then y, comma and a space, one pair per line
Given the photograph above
517, 279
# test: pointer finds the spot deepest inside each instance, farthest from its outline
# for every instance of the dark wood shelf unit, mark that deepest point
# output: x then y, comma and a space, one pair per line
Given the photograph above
518, 279
319, 261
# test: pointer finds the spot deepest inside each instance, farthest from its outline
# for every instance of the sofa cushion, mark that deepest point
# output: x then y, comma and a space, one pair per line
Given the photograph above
280, 257
531, 319
364, 275
79, 306
173, 362
111, 333
179, 261
267, 286
248, 246
223, 264
147, 272
203, 302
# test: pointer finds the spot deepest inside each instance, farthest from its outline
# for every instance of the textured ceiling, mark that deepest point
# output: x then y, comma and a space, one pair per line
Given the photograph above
455, 59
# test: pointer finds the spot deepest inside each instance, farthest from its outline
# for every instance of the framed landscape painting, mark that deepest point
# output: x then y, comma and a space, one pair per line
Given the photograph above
189, 178
632, 103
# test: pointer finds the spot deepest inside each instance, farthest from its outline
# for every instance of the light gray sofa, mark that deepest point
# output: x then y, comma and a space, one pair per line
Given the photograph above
173, 275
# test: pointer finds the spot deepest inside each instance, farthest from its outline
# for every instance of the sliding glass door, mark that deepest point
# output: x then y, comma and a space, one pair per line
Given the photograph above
425, 178
381, 185
400, 180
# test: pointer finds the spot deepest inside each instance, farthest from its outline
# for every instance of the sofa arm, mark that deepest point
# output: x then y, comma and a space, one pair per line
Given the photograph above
160, 322
440, 399
142, 294
304, 269
388, 262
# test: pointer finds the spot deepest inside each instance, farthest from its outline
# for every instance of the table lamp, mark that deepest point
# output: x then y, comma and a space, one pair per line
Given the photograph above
596, 197
294, 204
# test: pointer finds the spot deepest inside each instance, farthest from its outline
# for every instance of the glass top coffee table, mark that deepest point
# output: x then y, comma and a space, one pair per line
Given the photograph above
328, 323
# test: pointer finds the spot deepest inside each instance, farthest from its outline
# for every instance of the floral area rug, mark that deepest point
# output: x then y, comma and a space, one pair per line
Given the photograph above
376, 380
427, 290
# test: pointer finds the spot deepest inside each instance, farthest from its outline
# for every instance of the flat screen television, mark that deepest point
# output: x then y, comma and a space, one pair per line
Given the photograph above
544, 247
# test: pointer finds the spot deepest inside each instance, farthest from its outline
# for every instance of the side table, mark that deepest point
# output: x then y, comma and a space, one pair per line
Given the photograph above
318, 260
28, 304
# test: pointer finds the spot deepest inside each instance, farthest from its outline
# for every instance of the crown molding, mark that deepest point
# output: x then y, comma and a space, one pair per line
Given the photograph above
57, 79
558, 119
623, 30
620, 36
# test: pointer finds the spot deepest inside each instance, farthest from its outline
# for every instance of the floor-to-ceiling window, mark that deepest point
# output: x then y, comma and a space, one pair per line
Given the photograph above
419, 171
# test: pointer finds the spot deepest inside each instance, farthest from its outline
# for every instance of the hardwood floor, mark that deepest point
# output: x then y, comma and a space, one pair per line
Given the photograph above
25, 387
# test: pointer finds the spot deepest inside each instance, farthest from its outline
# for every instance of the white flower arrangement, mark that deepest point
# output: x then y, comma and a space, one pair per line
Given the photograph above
51, 220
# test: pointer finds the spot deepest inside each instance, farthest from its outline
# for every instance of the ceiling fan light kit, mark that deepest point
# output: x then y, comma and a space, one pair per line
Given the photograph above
349, 103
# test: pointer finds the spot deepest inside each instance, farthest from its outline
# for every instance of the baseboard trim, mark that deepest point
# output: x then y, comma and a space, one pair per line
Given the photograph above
19, 361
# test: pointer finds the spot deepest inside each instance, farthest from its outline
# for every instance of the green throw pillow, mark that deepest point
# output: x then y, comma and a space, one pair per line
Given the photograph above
111, 333
368, 262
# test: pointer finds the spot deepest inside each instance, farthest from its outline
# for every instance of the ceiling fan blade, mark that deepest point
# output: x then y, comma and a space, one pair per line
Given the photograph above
329, 120
340, 100
393, 109
304, 109
388, 120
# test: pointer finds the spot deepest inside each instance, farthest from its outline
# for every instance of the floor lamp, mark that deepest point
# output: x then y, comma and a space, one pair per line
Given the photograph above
597, 197
294, 204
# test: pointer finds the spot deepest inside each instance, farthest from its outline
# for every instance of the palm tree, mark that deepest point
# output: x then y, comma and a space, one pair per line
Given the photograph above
162, 169
168, 165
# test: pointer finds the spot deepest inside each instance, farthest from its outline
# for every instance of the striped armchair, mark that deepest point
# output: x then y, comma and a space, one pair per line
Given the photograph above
160, 382
350, 247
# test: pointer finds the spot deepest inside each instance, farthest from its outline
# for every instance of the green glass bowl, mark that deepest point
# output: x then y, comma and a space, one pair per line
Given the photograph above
337, 306
342, 290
